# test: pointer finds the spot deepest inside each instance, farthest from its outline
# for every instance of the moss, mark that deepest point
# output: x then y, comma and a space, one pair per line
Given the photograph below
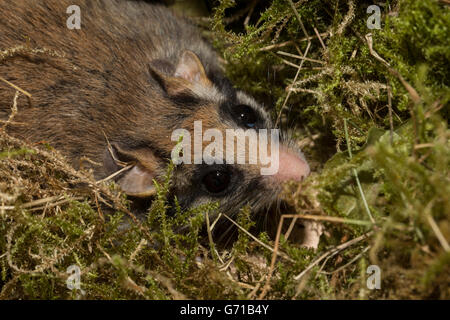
402, 173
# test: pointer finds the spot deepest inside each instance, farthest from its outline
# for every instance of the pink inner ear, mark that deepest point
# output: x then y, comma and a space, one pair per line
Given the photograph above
137, 182
187, 72
191, 69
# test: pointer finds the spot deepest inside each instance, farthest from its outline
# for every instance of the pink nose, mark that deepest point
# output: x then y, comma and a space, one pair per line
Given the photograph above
291, 167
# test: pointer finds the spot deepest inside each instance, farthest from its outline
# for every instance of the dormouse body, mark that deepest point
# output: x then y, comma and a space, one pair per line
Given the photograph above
115, 90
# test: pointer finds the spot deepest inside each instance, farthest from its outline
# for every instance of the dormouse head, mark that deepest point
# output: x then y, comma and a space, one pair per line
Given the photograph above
223, 143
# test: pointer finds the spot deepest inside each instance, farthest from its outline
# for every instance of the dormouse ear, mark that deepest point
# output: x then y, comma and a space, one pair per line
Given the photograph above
138, 180
188, 72
190, 68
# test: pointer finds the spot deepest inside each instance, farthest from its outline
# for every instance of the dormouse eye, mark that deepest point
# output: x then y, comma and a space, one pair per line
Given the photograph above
216, 181
245, 115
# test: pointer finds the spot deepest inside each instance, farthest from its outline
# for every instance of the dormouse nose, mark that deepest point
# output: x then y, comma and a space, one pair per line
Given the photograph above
292, 167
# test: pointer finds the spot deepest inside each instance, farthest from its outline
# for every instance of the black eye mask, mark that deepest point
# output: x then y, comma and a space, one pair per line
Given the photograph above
245, 116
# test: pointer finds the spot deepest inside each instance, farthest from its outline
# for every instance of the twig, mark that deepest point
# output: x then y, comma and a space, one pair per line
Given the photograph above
301, 63
349, 263
40, 201
33, 204
16, 87
250, 12
291, 227
58, 203
320, 38
315, 92
348, 17
215, 221
299, 57
424, 145
238, 15
328, 218
253, 292
281, 254
299, 19
412, 92
331, 251
115, 174
289, 42
274, 258
438, 232
277, 242
13, 111
290, 91
290, 63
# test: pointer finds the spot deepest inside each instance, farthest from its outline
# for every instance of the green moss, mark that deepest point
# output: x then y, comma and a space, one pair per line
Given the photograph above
402, 181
